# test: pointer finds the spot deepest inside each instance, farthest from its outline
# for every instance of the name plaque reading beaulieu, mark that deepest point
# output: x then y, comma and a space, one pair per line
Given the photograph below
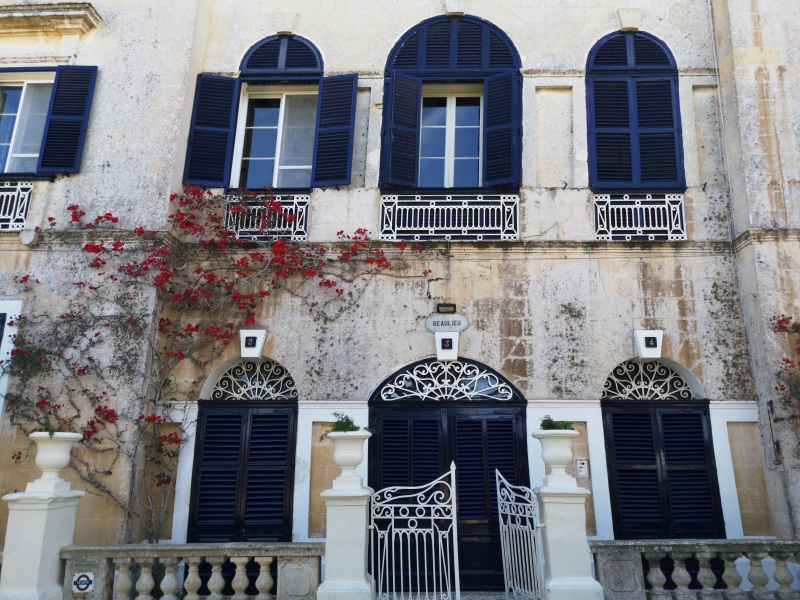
446, 323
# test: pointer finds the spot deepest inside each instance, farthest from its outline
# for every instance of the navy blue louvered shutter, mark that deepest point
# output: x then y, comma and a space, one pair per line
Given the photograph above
690, 475
410, 452
634, 474
612, 147
268, 469
401, 133
336, 121
659, 136
67, 120
501, 137
216, 480
209, 154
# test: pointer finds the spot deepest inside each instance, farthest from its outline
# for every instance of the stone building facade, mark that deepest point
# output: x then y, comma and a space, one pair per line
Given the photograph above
553, 294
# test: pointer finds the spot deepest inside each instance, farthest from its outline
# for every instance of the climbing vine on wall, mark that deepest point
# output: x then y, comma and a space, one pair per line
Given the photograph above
788, 384
146, 316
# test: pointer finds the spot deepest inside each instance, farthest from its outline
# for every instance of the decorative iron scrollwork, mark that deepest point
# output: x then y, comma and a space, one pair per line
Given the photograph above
255, 380
446, 381
651, 380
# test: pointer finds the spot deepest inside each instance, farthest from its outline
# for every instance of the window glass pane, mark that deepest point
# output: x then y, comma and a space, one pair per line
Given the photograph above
9, 99
260, 143
264, 113
294, 178
467, 142
297, 140
465, 172
431, 172
468, 112
433, 142
257, 173
7, 128
30, 129
434, 112
3, 157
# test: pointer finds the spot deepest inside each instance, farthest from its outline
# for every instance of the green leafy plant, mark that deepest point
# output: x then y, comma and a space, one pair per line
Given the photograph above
342, 424
549, 425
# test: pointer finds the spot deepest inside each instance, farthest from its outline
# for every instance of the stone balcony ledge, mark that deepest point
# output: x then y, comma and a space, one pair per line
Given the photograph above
58, 18
282, 549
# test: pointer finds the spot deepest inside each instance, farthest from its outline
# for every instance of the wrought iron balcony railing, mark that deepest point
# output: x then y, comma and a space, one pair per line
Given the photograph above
634, 217
15, 197
255, 222
451, 218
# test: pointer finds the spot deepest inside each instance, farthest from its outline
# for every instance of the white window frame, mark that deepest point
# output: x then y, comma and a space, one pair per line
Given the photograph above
259, 92
23, 79
12, 310
451, 92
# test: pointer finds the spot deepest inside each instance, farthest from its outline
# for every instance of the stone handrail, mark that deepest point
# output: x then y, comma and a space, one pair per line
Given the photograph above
685, 569
298, 570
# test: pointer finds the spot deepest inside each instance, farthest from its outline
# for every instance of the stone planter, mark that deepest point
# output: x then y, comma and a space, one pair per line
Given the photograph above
557, 454
53, 453
348, 453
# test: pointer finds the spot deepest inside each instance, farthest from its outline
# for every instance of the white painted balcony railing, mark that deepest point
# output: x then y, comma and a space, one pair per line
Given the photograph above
256, 224
468, 218
639, 217
15, 197
698, 569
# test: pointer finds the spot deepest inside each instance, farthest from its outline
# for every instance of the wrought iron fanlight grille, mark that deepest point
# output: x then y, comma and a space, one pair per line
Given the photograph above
255, 380
651, 380
451, 381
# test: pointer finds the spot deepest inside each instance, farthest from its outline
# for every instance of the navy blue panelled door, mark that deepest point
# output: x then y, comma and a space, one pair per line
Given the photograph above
460, 412
243, 476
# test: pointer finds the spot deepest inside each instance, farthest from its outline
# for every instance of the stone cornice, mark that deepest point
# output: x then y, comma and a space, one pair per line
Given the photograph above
760, 236
61, 18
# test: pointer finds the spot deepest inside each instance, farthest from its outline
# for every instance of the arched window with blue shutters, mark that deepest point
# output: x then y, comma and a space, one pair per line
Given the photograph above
633, 113
274, 60
453, 50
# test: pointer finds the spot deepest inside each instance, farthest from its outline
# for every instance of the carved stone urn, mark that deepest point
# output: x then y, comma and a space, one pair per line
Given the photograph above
557, 454
52, 455
348, 453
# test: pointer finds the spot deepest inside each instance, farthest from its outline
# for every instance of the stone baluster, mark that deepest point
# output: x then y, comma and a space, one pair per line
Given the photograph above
216, 581
264, 582
192, 582
170, 582
656, 577
681, 577
240, 582
732, 578
784, 577
706, 577
758, 577
145, 583
122, 586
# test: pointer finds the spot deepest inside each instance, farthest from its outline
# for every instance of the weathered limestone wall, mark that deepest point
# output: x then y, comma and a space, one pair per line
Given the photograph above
554, 314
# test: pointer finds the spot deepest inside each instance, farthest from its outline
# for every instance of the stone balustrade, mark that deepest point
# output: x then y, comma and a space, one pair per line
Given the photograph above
239, 571
697, 569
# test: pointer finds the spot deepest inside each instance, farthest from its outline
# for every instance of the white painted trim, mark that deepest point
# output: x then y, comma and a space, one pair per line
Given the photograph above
576, 410
307, 413
722, 412
12, 310
186, 413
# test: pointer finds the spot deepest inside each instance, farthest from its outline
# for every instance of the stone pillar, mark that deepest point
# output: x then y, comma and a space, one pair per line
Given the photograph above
347, 504
568, 570
41, 520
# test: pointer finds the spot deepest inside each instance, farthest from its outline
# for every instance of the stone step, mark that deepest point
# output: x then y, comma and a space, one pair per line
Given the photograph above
484, 596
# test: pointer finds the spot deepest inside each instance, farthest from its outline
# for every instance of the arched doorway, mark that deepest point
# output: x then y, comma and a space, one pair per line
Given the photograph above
432, 413
662, 472
243, 475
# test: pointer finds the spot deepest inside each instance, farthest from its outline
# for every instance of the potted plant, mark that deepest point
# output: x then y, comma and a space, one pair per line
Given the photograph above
556, 440
348, 449
53, 452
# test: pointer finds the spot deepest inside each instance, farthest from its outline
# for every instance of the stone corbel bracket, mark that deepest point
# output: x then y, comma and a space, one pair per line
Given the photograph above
56, 19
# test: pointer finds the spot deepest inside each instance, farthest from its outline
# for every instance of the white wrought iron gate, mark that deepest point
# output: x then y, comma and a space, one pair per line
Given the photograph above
521, 540
414, 541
